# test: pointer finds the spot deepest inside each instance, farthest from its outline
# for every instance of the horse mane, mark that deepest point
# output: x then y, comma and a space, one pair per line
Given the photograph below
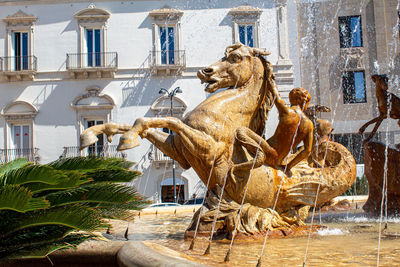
266, 101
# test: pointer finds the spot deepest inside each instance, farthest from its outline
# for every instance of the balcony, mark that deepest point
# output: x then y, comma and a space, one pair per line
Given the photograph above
92, 65
18, 68
31, 154
107, 151
167, 62
159, 158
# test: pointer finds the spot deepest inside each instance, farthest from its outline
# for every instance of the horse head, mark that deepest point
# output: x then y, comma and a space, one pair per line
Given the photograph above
381, 81
235, 69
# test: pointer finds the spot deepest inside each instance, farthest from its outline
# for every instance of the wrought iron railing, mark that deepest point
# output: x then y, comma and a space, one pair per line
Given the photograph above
167, 58
107, 151
159, 156
31, 154
20, 63
92, 60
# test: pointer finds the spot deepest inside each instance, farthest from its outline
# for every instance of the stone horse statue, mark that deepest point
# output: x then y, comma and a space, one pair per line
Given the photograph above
205, 140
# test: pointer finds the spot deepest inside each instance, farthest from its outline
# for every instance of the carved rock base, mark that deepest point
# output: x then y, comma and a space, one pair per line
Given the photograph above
295, 231
249, 222
374, 163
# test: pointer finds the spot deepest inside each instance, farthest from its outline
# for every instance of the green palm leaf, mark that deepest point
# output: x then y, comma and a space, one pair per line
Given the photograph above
94, 193
33, 174
33, 236
18, 198
77, 217
88, 163
112, 173
12, 165
71, 180
42, 250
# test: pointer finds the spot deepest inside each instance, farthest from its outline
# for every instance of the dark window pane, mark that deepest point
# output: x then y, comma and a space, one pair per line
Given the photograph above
24, 56
89, 45
97, 47
17, 50
359, 86
353, 84
171, 45
250, 36
242, 34
355, 27
163, 45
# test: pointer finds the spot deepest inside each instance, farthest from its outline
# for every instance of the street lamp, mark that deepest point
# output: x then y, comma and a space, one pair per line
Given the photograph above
171, 95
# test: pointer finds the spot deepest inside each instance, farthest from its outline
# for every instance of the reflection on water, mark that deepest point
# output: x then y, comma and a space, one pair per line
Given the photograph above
350, 240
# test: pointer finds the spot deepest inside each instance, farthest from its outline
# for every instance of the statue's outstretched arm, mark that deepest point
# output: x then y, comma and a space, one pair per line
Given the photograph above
279, 102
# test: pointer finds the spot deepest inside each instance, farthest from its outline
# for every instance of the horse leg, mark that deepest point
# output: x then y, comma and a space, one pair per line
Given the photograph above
165, 143
378, 123
89, 136
196, 142
362, 128
257, 145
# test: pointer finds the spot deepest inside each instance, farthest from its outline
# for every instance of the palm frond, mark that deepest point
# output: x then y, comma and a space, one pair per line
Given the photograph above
112, 173
71, 180
41, 251
77, 217
12, 165
94, 193
19, 198
33, 236
33, 174
88, 163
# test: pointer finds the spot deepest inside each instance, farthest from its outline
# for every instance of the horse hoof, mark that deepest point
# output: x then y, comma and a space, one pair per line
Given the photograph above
128, 141
87, 139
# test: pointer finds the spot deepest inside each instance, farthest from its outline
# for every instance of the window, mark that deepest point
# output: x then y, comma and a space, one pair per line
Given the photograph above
166, 56
167, 45
20, 49
19, 117
92, 108
20, 137
350, 32
353, 84
245, 25
93, 47
92, 58
19, 61
246, 35
96, 148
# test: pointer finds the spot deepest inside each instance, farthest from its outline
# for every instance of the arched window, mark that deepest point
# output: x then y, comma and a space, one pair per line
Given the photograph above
161, 107
92, 108
19, 116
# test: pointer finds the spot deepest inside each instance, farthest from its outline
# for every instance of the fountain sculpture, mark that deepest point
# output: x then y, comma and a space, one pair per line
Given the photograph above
381, 160
214, 140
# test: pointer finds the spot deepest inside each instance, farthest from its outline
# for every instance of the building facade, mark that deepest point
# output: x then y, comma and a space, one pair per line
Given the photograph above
343, 43
69, 65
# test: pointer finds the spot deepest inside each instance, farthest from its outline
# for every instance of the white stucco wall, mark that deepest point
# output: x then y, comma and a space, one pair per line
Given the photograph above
206, 30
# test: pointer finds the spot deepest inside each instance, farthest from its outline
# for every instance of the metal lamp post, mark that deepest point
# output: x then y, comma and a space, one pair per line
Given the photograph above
171, 95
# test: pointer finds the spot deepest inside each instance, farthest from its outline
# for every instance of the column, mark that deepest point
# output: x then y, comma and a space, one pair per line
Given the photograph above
284, 66
283, 40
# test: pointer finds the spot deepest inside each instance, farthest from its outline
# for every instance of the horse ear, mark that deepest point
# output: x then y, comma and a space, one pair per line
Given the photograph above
261, 52
233, 47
